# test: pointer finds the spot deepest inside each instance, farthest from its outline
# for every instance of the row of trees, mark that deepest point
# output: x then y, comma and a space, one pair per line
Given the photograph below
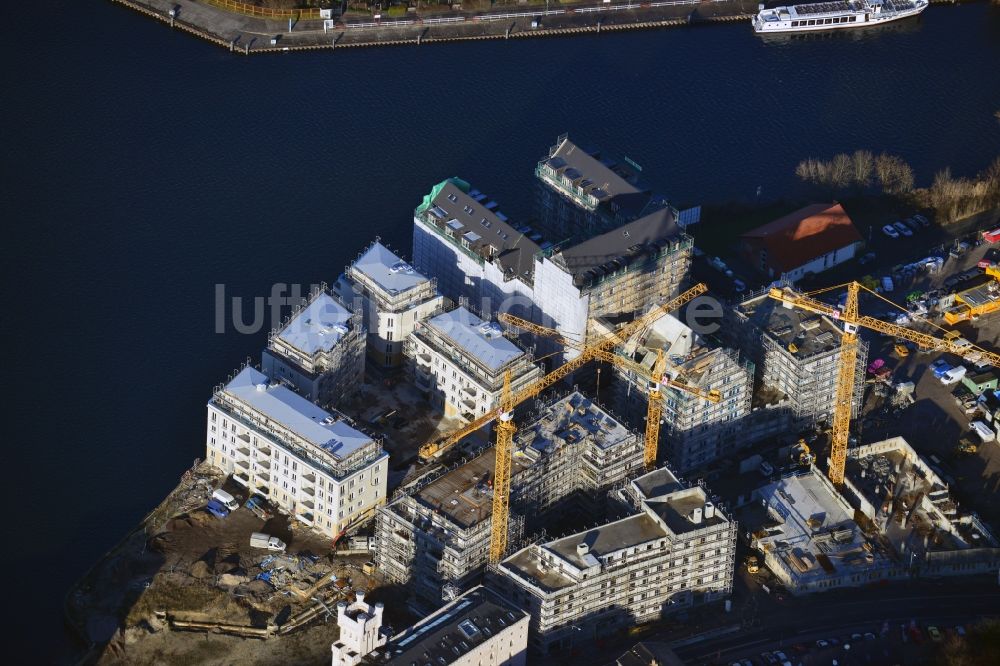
860, 170
954, 198
951, 198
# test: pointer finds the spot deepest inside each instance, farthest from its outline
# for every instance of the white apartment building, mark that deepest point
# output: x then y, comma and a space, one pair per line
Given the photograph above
478, 628
677, 551
307, 461
391, 297
694, 431
459, 361
320, 350
478, 254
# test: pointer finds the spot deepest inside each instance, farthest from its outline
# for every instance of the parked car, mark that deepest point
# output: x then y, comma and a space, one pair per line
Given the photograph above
941, 369
226, 500
901, 350
924, 222
216, 508
953, 376
934, 633
983, 431
261, 540
822, 644
258, 506
890, 231
912, 224
867, 258
902, 228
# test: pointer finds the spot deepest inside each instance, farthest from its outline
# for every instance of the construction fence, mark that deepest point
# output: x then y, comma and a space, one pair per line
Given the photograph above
265, 12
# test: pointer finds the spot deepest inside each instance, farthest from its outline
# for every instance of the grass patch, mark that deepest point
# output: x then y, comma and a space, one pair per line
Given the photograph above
722, 224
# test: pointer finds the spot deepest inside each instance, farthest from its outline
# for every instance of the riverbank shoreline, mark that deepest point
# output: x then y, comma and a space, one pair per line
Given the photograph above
248, 35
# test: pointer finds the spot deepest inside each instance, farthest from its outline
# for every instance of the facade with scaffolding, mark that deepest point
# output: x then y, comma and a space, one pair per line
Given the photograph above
797, 356
391, 297
677, 550
312, 463
581, 194
436, 535
694, 431
459, 361
482, 257
320, 350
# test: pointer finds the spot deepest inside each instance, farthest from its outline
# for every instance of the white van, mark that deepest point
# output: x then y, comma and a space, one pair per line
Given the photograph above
953, 376
983, 431
226, 499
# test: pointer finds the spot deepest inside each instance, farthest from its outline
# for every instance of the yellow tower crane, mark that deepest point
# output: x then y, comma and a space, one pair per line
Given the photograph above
504, 414
851, 320
501, 472
436, 447
656, 377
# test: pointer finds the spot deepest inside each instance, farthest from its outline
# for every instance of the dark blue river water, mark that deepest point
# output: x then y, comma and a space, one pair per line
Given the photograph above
142, 167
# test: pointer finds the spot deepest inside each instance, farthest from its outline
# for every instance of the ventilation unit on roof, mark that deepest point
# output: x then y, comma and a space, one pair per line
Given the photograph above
401, 267
491, 330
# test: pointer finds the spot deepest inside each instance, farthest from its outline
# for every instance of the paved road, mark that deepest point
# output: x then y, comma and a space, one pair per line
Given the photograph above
807, 620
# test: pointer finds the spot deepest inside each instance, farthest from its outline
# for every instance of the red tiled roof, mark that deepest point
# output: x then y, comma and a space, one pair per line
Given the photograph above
804, 235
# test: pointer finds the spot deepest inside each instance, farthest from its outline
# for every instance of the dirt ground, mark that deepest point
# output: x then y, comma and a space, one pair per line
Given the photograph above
183, 564
407, 418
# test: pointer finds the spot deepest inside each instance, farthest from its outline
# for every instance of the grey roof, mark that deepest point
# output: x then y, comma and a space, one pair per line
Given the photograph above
614, 249
657, 483
317, 327
388, 271
606, 539
313, 424
476, 338
515, 252
605, 179
456, 629
675, 510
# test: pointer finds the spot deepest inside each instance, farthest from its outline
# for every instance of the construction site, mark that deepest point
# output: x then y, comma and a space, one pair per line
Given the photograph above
425, 457
436, 535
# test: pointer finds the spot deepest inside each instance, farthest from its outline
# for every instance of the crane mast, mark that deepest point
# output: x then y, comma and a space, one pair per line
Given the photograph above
501, 474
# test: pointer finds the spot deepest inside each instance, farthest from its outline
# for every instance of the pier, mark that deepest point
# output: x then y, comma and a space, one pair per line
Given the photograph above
245, 34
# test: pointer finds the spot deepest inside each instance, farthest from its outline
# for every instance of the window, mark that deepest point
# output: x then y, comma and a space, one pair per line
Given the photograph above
388, 335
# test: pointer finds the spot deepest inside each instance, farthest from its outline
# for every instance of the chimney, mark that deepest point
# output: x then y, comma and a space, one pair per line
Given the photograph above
360, 596
582, 549
696, 516
709, 510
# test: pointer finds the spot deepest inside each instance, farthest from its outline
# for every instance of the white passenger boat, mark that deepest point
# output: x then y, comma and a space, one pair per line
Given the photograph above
834, 15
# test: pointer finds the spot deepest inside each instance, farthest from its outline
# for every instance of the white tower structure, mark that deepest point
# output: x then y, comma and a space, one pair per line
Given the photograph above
359, 631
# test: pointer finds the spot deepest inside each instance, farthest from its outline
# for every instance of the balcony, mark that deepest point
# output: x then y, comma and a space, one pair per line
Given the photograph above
245, 437
243, 452
309, 477
424, 358
263, 476
308, 490
305, 518
263, 463
242, 479
307, 504
245, 464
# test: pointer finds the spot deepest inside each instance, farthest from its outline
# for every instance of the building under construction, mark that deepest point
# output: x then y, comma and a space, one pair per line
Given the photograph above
569, 452
797, 356
694, 431
676, 550
320, 350
893, 519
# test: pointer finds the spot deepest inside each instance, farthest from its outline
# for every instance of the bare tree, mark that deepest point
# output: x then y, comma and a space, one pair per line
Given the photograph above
894, 175
863, 164
841, 171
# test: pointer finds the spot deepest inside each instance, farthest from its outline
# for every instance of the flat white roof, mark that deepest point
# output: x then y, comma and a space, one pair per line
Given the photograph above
388, 271
799, 499
282, 405
476, 338
317, 327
